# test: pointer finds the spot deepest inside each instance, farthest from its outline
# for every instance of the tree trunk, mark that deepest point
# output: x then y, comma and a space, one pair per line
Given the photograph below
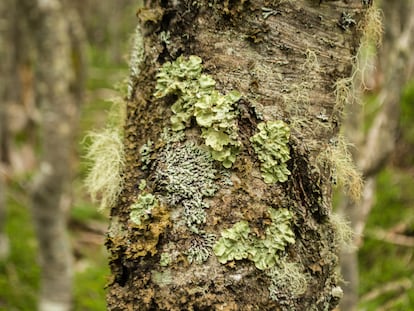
7, 12
231, 151
55, 85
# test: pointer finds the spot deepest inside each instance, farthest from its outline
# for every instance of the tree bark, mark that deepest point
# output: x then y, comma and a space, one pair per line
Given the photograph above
55, 85
7, 12
275, 64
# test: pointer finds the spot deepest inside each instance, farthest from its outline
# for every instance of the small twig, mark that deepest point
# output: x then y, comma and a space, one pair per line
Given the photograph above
395, 286
390, 305
391, 237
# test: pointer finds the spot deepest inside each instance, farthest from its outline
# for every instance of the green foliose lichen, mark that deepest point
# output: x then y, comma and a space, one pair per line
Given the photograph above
198, 99
141, 209
271, 146
238, 243
142, 184
165, 259
288, 282
234, 243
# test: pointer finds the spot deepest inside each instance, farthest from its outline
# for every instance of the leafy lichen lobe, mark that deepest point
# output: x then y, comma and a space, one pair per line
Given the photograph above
271, 146
239, 243
198, 99
141, 209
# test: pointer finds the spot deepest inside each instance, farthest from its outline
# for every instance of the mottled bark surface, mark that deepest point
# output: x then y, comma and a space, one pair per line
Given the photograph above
284, 57
54, 78
7, 12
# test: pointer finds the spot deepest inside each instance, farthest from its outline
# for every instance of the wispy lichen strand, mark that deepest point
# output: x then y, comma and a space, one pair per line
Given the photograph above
198, 99
106, 153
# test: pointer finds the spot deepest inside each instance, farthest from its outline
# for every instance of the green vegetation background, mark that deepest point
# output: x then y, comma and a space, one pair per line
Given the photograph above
381, 262
386, 268
19, 274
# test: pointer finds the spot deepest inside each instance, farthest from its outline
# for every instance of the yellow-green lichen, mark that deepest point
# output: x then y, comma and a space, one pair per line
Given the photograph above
198, 99
141, 209
288, 282
104, 179
165, 259
142, 184
271, 146
239, 243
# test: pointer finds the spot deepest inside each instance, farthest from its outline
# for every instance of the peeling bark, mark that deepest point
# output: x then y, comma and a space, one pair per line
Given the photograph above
284, 58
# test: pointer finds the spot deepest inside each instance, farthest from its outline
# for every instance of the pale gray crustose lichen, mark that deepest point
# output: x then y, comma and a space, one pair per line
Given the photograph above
186, 173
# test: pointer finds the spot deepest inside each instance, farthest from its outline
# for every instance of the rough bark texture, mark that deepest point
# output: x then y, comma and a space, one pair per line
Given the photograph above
284, 57
59, 110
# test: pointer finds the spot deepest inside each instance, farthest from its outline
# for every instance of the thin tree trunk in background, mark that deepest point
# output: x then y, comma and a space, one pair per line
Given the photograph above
107, 27
373, 150
284, 57
78, 55
7, 12
59, 111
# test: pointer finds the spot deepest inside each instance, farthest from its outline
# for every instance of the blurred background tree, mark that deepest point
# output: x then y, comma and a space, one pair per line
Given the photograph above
385, 256
373, 127
45, 58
